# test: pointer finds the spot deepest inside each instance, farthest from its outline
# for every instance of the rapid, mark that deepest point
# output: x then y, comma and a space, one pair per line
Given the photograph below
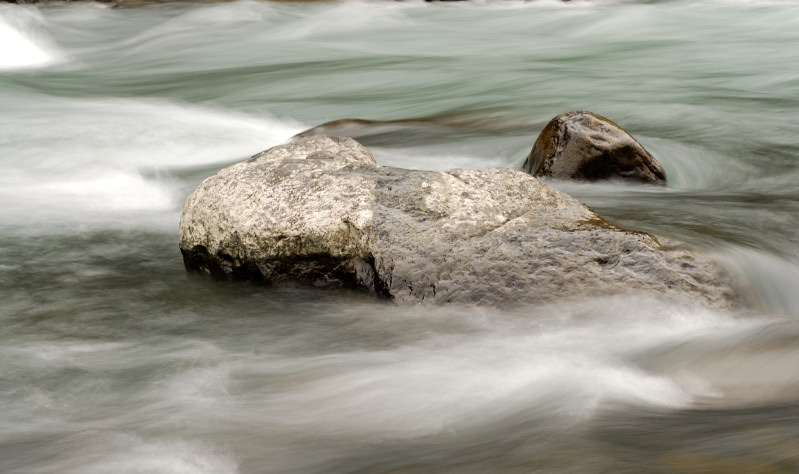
114, 359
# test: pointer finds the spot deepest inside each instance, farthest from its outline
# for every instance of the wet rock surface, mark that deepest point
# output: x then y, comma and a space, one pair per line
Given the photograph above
588, 147
320, 211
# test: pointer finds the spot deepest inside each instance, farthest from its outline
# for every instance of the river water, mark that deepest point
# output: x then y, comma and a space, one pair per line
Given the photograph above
113, 359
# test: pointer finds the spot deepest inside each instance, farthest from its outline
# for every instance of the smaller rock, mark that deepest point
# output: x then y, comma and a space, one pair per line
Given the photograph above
585, 146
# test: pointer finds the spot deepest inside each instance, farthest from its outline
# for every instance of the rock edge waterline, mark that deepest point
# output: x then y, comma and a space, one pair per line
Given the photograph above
320, 211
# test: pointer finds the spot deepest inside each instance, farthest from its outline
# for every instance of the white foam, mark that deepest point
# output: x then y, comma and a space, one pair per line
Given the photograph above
24, 44
67, 159
362, 16
576, 361
773, 278
112, 191
126, 453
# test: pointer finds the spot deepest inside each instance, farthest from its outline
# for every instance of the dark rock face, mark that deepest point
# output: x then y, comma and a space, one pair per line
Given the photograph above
586, 146
320, 211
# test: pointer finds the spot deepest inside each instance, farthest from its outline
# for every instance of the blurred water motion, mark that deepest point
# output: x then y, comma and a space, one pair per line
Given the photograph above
112, 359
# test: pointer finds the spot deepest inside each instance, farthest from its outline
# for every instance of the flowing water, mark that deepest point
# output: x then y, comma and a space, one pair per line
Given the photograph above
113, 359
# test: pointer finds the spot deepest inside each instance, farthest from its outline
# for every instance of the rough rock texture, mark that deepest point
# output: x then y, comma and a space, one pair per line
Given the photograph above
320, 211
587, 146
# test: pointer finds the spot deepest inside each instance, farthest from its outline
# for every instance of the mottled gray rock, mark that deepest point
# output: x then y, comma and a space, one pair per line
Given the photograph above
586, 146
320, 211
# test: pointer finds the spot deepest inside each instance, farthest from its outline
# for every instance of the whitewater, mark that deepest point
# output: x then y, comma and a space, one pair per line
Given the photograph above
114, 359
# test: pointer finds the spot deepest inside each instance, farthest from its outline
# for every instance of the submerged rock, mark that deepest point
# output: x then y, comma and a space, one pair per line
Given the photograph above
321, 211
586, 146
420, 130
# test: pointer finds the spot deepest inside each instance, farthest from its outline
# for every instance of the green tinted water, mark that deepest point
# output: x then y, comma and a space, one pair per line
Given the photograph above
112, 359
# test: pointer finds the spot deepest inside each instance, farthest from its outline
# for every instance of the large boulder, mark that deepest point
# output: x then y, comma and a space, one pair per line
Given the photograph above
586, 146
321, 211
